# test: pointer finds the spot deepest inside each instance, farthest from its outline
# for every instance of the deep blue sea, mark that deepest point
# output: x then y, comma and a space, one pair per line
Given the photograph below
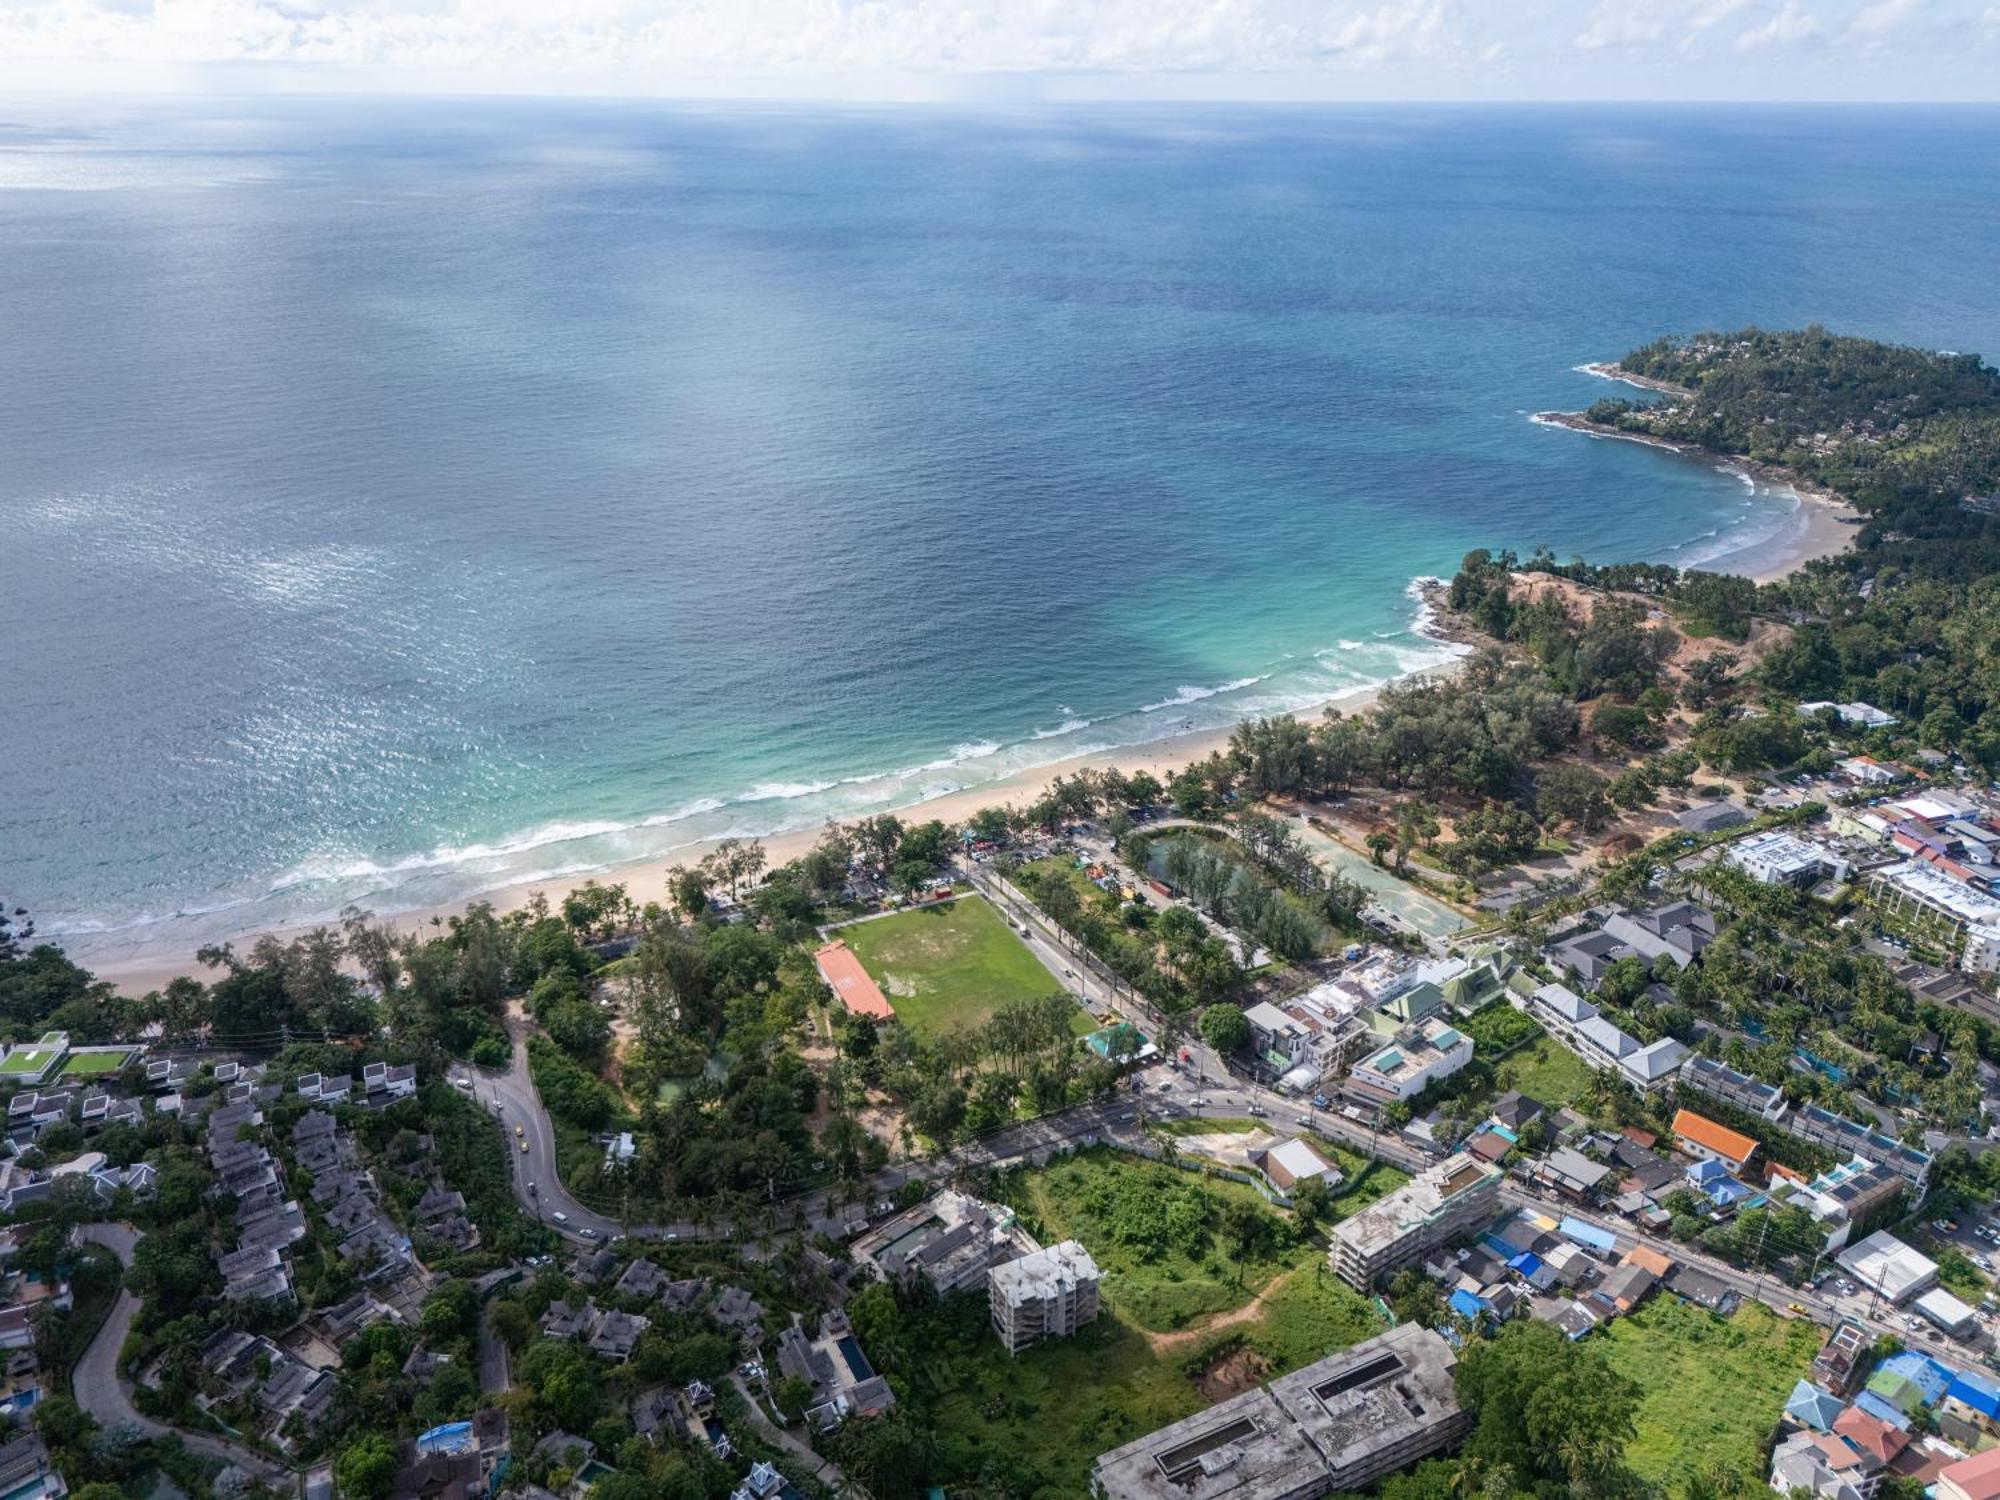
399, 499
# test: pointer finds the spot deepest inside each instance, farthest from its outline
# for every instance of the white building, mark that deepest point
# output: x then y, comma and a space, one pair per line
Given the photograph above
1861, 715
1885, 1264
1868, 771
1780, 858
1417, 1058
1047, 1295
1950, 910
1578, 1025
1982, 949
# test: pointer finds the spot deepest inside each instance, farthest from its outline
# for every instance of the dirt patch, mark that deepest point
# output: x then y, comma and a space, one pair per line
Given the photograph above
1230, 1373
1249, 1312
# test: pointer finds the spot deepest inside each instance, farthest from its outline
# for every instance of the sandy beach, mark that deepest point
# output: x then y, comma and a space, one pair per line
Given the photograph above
1820, 525
647, 880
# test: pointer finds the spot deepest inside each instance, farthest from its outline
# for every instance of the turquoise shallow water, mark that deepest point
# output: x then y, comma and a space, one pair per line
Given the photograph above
405, 499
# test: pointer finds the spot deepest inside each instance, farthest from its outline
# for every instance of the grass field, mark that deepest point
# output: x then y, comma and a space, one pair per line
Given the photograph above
28, 1060
1363, 1182
86, 1063
1545, 1070
950, 966
1203, 1125
1713, 1386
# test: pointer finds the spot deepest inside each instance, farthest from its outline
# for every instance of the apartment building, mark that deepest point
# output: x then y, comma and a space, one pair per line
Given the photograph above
1048, 1294
1453, 1198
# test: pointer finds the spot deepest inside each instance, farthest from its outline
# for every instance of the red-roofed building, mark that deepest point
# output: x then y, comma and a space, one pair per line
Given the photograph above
1870, 1434
845, 976
1978, 1478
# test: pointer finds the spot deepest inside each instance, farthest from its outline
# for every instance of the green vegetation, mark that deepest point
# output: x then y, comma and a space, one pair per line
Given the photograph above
1362, 1181
1908, 435
951, 965
1710, 1386
984, 1422
1498, 1027
86, 1064
1175, 1247
1203, 1125
1544, 1070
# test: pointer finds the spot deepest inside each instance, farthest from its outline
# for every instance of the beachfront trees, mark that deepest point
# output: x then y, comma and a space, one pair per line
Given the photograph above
1569, 793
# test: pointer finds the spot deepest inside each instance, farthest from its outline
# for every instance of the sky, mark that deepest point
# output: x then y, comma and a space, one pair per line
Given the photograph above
1777, 50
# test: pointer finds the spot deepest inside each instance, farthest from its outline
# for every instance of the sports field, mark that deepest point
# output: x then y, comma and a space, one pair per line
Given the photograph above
86, 1063
949, 966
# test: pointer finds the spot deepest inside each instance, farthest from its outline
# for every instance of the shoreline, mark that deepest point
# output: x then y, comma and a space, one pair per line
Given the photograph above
646, 880
1821, 526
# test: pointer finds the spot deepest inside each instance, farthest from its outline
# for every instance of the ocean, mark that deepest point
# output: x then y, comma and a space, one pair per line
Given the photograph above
400, 499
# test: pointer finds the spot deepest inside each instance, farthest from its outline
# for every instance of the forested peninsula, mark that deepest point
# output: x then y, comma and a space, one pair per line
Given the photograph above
1908, 436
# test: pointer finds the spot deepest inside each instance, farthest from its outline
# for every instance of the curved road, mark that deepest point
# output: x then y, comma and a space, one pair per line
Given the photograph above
101, 1392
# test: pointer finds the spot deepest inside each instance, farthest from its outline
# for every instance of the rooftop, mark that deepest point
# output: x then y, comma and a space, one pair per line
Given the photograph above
1051, 1272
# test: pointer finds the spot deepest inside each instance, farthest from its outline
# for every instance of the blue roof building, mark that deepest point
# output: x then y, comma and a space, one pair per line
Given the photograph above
1930, 1377
1466, 1305
1976, 1391
452, 1437
1813, 1406
1581, 1232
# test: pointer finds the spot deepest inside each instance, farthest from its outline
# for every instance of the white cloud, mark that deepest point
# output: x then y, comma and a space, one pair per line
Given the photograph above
1791, 26
949, 48
767, 35
1648, 23
1615, 24
1882, 16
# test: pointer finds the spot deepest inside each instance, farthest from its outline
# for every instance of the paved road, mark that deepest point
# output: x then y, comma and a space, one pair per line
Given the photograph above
101, 1392
511, 1096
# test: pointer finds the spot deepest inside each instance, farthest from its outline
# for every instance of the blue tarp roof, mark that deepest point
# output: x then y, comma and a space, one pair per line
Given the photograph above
1583, 1233
448, 1438
1976, 1391
1468, 1306
1527, 1263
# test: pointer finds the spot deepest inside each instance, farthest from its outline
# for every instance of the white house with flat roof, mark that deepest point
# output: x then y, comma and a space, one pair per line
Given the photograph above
1417, 1058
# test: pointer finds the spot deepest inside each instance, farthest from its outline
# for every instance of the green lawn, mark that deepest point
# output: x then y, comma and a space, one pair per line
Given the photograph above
1363, 1182
1545, 1070
1202, 1125
951, 966
96, 1062
1713, 1386
28, 1060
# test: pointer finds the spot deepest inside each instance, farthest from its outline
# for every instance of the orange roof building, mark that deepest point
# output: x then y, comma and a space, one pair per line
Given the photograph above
1701, 1137
1648, 1260
845, 976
